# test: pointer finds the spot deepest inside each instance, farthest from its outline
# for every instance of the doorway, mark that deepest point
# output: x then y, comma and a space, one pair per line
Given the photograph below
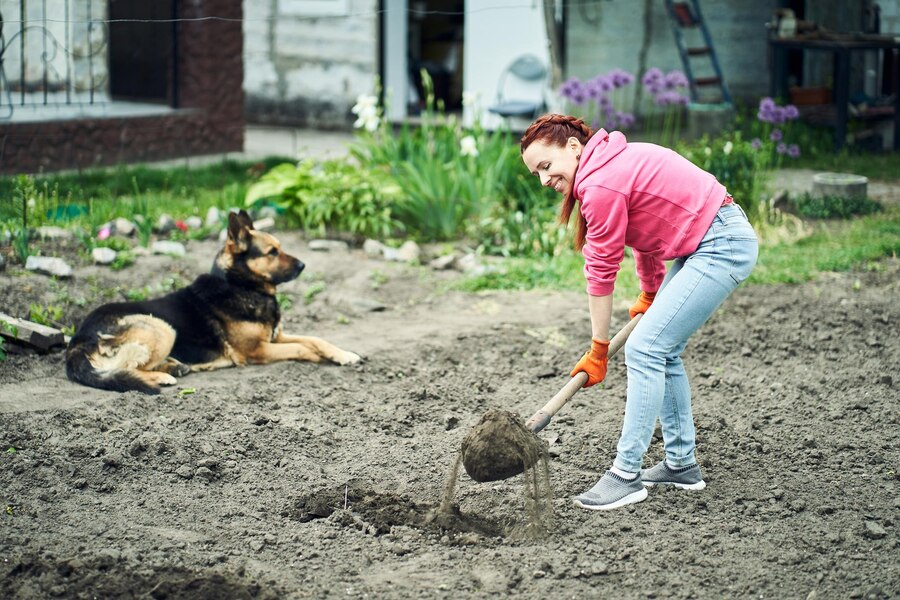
435, 44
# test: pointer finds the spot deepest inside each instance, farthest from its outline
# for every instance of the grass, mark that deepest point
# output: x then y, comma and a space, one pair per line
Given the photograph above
94, 196
833, 246
882, 167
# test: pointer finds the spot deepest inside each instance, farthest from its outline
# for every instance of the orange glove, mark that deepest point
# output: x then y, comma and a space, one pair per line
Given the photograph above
593, 362
643, 302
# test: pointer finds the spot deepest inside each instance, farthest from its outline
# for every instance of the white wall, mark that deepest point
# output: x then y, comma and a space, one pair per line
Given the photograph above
496, 32
306, 61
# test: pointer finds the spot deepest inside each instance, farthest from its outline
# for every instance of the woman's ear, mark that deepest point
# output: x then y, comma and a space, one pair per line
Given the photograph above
574, 144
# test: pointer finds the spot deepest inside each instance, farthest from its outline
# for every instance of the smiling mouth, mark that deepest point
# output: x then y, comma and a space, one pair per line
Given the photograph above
558, 186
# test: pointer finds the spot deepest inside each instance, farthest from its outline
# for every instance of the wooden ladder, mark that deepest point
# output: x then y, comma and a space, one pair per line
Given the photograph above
686, 16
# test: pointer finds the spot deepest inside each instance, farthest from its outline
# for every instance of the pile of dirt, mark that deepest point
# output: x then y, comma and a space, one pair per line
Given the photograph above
295, 480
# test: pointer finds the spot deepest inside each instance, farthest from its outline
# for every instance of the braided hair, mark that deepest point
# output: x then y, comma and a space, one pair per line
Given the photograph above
556, 129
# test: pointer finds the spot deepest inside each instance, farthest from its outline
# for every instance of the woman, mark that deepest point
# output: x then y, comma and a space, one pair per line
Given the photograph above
664, 208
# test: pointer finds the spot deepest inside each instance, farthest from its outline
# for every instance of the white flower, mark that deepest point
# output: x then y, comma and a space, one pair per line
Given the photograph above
471, 98
365, 104
369, 122
707, 151
728, 148
468, 146
366, 109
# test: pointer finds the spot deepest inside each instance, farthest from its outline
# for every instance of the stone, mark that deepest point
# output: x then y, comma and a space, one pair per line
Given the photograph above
2, 262
373, 248
103, 256
264, 224
389, 253
169, 248
49, 232
329, 245
49, 265
408, 252
267, 212
194, 222
842, 185
164, 224
205, 473
184, 471
442, 263
122, 226
874, 530
213, 217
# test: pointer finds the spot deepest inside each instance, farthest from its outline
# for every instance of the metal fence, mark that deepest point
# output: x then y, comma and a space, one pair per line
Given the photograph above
52, 53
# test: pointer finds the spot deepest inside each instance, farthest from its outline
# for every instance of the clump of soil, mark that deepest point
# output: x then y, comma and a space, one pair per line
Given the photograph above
500, 446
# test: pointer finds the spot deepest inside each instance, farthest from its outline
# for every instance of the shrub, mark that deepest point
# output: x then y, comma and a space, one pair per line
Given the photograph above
834, 207
735, 163
334, 195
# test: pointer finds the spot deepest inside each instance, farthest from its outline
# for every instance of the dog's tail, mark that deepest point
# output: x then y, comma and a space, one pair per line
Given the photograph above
80, 369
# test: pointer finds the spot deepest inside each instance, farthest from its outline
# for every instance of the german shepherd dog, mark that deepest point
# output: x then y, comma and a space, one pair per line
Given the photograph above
227, 317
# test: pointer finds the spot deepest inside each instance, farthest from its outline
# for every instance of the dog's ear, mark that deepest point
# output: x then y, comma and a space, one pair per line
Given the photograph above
239, 226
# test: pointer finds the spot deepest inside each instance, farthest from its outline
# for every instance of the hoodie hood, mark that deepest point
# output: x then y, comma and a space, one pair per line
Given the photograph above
600, 149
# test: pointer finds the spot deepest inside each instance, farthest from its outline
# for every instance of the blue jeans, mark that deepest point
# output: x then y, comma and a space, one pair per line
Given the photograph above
657, 383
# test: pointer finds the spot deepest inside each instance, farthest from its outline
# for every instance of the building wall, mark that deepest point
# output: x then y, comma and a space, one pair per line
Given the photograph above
607, 34
209, 119
306, 61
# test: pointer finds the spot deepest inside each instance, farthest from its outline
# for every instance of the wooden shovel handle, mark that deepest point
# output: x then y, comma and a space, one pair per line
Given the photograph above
541, 418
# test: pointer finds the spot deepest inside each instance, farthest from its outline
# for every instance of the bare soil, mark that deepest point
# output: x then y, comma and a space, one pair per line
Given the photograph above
298, 480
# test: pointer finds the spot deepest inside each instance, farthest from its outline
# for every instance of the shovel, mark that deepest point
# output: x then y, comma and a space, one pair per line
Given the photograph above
499, 446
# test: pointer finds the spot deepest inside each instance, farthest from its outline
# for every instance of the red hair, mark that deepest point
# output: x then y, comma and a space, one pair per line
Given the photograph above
556, 130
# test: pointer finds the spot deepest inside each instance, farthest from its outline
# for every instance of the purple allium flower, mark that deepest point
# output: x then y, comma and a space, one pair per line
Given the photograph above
793, 151
766, 104
781, 148
675, 79
756, 144
620, 77
603, 83
571, 87
626, 119
651, 77
578, 97
604, 101
776, 135
791, 112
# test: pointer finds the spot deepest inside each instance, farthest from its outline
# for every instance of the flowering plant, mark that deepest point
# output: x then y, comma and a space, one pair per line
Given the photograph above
595, 100
665, 92
774, 123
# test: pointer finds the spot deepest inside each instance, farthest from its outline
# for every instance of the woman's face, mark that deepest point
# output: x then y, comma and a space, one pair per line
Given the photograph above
554, 165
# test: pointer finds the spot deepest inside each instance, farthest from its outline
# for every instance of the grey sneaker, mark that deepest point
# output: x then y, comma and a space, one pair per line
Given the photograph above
611, 492
686, 478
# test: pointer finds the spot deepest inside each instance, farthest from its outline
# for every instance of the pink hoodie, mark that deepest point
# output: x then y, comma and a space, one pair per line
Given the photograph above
643, 196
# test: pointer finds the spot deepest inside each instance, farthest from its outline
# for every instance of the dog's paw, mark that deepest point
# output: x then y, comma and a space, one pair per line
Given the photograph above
347, 358
166, 379
180, 370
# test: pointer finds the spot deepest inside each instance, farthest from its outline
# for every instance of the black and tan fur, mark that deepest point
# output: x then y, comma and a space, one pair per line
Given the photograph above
228, 317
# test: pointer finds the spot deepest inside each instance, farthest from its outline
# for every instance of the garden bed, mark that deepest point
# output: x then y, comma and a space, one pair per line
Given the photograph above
296, 480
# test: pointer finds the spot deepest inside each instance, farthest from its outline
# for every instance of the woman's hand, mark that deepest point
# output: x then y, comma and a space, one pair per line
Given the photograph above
644, 300
594, 362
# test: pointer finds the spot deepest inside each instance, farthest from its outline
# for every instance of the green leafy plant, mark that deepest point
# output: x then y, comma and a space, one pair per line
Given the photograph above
315, 288
736, 164
2, 349
284, 302
331, 196
50, 315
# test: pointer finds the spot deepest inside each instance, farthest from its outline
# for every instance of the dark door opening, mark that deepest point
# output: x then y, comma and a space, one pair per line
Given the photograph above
436, 45
140, 50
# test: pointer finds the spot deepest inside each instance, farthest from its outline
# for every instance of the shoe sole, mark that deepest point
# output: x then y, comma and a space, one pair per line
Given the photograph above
629, 499
682, 486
